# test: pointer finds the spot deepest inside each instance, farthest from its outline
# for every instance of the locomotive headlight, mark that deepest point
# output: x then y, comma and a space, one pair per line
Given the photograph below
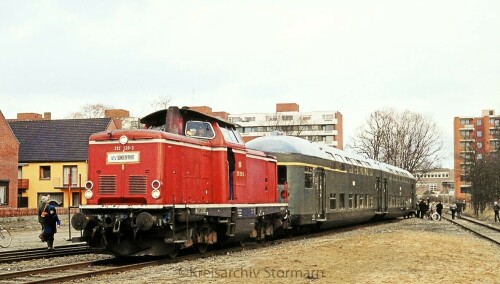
89, 185
123, 139
155, 193
156, 184
88, 194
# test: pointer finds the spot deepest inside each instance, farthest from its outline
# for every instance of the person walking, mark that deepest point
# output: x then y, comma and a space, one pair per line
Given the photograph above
51, 223
453, 208
439, 209
496, 209
42, 206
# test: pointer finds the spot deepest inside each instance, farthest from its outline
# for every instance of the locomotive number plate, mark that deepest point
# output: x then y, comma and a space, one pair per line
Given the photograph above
123, 157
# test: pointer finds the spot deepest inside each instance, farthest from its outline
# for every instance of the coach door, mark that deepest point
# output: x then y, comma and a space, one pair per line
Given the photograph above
382, 195
320, 188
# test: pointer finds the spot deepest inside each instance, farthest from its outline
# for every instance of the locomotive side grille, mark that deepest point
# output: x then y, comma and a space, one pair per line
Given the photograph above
107, 184
137, 184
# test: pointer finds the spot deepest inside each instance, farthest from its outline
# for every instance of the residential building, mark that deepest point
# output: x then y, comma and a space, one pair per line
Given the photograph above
53, 157
473, 137
317, 126
9, 153
436, 182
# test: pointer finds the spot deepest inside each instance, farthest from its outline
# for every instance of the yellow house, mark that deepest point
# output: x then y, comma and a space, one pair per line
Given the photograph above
53, 158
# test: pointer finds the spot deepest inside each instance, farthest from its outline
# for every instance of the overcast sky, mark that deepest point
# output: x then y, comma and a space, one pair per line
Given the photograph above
438, 58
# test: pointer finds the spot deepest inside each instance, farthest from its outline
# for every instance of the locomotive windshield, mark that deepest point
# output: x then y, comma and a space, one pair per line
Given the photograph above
199, 129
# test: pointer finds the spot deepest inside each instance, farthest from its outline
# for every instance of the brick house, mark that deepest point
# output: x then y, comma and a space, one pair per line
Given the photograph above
9, 152
53, 157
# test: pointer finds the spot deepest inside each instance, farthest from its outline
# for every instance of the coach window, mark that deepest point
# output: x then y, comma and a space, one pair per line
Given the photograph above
361, 199
308, 177
44, 172
342, 200
333, 201
355, 201
350, 201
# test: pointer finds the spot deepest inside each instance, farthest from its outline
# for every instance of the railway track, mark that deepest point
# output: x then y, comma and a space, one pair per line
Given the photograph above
481, 229
88, 269
30, 254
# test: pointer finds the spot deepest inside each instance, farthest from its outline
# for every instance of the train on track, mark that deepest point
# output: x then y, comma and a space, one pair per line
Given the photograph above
189, 180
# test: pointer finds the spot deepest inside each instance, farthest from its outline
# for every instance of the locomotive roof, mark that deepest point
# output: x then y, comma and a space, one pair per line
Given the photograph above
295, 145
158, 118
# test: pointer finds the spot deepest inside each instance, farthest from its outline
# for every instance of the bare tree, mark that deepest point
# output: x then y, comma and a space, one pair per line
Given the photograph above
407, 140
161, 103
90, 111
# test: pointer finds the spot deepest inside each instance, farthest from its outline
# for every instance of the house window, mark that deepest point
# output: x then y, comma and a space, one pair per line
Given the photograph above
4, 193
44, 172
73, 170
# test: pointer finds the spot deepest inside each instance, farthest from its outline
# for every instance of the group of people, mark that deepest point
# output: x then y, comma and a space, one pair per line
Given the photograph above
426, 208
47, 216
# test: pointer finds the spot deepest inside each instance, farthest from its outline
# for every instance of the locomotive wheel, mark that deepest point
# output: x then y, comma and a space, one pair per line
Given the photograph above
202, 248
174, 253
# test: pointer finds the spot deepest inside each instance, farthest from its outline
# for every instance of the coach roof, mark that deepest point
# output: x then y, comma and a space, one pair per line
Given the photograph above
295, 145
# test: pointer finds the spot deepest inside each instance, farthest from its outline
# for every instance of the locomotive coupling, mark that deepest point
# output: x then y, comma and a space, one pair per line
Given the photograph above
79, 221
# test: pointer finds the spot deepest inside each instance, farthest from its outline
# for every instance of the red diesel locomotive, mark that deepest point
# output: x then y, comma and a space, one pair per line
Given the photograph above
186, 180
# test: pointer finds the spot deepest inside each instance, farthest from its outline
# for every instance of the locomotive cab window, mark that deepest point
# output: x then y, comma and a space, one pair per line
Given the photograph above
231, 135
199, 129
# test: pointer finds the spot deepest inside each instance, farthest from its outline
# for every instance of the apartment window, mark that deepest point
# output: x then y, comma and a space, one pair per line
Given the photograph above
464, 121
479, 145
287, 117
305, 117
271, 118
44, 172
479, 122
67, 170
479, 133
328, 139
328, 117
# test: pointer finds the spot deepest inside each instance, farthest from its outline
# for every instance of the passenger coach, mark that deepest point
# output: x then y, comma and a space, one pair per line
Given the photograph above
329, 187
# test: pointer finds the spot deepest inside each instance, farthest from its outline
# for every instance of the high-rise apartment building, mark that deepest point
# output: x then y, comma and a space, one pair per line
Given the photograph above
318, 126
473, 136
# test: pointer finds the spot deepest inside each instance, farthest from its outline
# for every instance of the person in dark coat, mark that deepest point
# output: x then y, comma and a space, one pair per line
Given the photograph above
439, 209
423, 208
51, 223
496, 209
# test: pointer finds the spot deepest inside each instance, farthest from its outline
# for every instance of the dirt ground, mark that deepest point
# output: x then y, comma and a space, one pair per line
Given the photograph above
406, 251
403, 251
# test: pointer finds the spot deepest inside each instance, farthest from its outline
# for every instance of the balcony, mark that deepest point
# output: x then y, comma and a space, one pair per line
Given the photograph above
23, 183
